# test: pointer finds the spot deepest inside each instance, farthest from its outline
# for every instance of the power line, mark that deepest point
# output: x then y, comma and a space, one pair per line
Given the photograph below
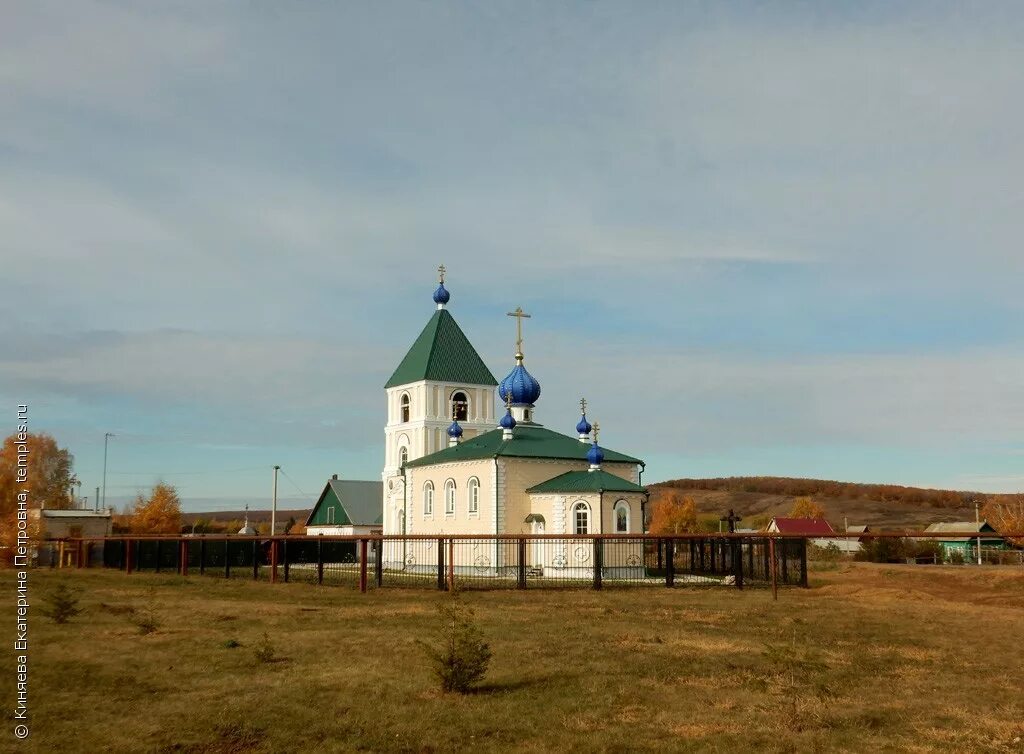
285, 475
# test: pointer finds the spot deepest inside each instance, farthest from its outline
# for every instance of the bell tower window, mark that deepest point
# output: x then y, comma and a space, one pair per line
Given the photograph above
406, 410
460, 406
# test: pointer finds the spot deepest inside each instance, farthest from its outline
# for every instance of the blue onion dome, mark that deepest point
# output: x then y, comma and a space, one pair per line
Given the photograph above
455, 430
595, 455
441, 295
583, 427
507, 421
520, 385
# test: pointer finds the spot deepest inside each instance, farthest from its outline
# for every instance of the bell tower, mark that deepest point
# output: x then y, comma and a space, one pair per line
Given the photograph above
441, 378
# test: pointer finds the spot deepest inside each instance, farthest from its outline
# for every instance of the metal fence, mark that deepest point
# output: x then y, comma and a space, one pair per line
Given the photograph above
472, 562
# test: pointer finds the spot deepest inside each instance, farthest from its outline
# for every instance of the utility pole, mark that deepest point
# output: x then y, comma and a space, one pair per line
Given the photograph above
273, 509
977, 520
106, 438
97, 499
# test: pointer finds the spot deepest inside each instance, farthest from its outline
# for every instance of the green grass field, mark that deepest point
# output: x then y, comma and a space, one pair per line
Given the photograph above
871, 658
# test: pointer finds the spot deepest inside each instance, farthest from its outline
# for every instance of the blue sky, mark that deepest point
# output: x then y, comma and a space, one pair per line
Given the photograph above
760, 238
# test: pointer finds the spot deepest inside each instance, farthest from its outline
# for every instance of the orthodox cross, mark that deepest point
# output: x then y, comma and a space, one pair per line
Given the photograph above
597, 429
520, 315
733, 519
583, 405
508, 398
440, 272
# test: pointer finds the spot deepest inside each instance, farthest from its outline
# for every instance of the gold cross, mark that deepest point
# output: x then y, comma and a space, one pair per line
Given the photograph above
597, 428
520, 315
583, 405
440, 272
508, 398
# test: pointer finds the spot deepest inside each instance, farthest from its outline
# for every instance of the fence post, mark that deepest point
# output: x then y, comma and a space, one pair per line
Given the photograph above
774, 569
202, 556
521, 571
158, 554
255, 561
803, 562
378, 564
768, 554
128, 557
284, 547
659, 543
597, 563
737, 561
670, 573
440, 565
785, 566
320, 560
451, 563
362, 565
183, 556
273, 561
227, 558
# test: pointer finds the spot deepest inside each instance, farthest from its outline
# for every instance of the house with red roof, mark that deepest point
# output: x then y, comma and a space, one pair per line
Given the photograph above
800, 527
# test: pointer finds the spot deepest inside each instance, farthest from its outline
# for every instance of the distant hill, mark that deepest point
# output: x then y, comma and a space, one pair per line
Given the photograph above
883, 506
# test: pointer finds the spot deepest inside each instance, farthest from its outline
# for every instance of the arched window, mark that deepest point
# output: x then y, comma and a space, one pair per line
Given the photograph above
449, 497
400, 521
428, 499
622, 517
581, 518
403, 456
460, 406
406, 407
474, 495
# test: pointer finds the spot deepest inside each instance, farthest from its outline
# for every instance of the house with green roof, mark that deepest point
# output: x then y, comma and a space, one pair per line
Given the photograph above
347, 506
453, 465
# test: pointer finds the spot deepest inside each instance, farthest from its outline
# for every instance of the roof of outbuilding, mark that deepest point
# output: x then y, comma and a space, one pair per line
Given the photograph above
363, 502
586, 481
528, 441
442, 353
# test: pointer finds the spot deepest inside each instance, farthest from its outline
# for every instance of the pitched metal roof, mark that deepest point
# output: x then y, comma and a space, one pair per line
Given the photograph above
982, 527
528, 441
362, 502
802, 526
443, 353
586, 481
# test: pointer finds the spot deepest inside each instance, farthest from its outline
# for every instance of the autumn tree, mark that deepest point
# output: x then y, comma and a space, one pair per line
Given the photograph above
1006, 516
48, 477
805, 507
160, 513
673, 513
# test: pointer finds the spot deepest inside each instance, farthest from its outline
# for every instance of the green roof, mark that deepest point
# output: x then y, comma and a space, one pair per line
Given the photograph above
442, 353
528, 441
587, 481
354, 503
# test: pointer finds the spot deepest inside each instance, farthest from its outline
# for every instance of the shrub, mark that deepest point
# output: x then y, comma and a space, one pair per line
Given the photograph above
62, 604
462, 657
264, 650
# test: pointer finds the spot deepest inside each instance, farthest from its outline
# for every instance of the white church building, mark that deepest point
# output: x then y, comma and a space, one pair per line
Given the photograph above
455, 466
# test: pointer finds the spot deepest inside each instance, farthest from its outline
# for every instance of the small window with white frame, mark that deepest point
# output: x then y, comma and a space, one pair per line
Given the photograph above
330, 514
428, 499
474, 496
622, 517
406, 407
449, 497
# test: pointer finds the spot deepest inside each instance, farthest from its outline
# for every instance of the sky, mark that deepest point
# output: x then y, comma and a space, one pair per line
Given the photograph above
760, 238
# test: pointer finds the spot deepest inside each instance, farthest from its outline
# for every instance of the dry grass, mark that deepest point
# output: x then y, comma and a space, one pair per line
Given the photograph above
871, 658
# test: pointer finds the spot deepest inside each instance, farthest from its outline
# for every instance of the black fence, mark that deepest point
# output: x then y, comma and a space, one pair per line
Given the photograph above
473, 562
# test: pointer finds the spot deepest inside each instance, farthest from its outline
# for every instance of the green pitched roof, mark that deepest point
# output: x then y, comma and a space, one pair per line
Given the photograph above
528, 441
354, 502
443, 353
586, 481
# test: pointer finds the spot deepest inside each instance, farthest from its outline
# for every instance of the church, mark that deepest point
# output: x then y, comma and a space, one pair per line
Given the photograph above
453, 465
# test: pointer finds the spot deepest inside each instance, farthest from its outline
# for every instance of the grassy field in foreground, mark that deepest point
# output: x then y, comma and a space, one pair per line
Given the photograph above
871, 658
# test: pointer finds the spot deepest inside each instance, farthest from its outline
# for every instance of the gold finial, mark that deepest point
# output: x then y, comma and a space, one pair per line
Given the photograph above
440, 274
583, 405
597, 430
520, 315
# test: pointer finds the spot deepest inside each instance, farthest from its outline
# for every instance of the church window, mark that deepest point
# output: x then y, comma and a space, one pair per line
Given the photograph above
474, 495
581, 518
449, 497
406, 407
428, 499
403, 455
622, 517
460, 406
